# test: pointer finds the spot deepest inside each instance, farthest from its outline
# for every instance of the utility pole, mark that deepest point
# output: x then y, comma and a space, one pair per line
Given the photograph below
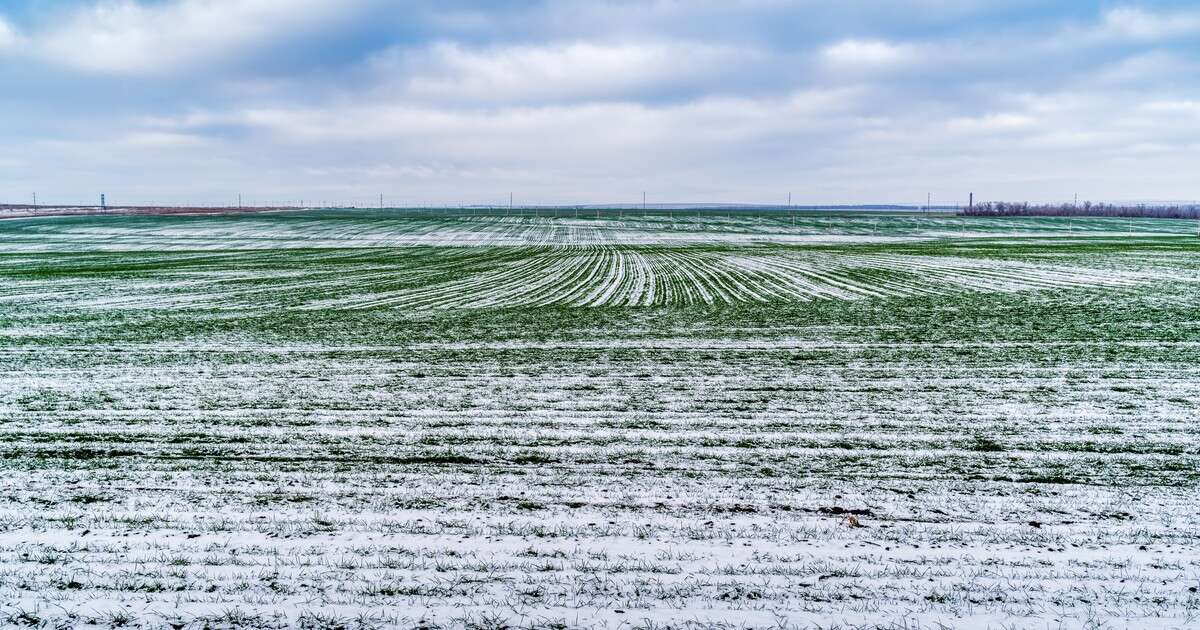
381, 201
239, 200
928, 197
35, 202
643, 203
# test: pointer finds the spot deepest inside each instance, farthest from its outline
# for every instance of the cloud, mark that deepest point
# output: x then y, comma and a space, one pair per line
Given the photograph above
1137, 23
559, 70
455, 100
573, 129
161, 140
1173, 107
127, 37
992, 123
868, 54
8, 35
566, 152
1141, 68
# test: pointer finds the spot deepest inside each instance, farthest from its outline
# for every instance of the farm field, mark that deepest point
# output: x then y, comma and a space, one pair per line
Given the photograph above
359, 418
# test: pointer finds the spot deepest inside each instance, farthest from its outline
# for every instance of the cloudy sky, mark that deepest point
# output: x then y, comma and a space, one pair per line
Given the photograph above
448, 102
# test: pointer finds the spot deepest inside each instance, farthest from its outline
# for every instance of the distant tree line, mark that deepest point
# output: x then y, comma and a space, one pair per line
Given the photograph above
1086, 209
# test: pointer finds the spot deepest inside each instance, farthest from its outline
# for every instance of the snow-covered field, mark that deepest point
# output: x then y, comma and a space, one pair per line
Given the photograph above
359, 419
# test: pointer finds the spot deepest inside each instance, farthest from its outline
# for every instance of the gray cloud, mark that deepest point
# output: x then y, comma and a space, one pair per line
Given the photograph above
596, 101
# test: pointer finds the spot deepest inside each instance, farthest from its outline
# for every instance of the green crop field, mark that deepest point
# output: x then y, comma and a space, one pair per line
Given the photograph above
355, 418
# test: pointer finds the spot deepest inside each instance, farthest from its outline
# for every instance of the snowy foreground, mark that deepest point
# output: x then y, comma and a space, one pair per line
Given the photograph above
346, 419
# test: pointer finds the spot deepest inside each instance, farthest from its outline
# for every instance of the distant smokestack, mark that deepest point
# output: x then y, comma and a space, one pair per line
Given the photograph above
971, 202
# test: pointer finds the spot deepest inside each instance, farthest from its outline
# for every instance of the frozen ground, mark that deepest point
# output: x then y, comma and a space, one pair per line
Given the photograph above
344, 420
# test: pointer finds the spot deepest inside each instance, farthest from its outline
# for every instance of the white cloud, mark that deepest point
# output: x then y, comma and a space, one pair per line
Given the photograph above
1173, 107
127, 37
1152, 66
161, 140
992, 123
557, 70
1136, 23
8, 35
868, 54
586, 135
